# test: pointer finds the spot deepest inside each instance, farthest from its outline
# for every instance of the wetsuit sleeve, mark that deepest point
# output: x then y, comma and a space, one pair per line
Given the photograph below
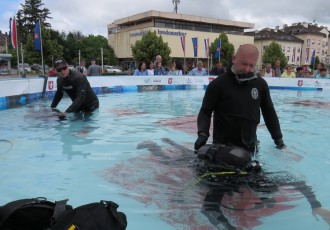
80, 85
308, 193
58, 94
269, 114
208, 106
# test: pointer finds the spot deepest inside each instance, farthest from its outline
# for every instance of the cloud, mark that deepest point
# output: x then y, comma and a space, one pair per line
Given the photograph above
92, 17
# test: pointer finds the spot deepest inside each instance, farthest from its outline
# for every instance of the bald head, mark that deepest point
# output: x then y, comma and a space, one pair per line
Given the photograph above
245, 59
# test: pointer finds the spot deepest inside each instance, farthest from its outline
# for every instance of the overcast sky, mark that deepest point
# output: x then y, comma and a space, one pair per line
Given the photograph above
92, 17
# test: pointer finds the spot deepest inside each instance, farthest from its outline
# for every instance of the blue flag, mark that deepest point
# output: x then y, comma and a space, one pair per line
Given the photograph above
195, 45
37, 37
218, 50
313, 57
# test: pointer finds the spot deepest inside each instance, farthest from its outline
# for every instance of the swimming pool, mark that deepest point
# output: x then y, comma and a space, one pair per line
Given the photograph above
109, 156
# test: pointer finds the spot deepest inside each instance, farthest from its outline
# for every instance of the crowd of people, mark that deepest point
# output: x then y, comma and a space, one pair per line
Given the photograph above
290, 72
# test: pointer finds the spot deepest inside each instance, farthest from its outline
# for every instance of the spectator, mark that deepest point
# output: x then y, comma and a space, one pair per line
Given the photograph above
235, 100
288, 72
300, 72
199, 70
151, 68
277, 68
159, 69
77, 87
174, 70
82, 68
307, 74
94, 69
318, 67
141, 70
268, 71
323, 74
159, 59
217, 70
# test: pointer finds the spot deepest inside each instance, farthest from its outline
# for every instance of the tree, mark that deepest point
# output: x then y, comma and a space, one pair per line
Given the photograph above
274, 52
149, 47
31, 12
227, 50
313, 65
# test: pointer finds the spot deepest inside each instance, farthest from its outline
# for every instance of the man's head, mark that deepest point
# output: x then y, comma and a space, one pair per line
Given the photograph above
82, 63
323, 72
268, 67
159, 59
61, 67
299, 70
200, 65
219, 65
277, 63
245, 59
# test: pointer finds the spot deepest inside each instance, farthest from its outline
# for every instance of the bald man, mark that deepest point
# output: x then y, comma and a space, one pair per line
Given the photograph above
236, 99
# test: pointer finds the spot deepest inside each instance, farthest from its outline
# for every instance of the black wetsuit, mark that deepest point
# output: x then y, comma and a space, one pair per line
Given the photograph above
79, 90
236, 110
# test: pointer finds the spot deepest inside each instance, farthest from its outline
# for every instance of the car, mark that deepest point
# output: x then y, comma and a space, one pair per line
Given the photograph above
71, 67
27, 67
111, 69
38, 67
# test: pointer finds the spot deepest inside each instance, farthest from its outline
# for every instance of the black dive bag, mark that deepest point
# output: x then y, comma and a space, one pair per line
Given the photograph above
40, 214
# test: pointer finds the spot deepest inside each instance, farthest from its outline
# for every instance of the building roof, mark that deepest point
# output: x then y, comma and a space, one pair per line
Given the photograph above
271, 34
180, 17
303, 28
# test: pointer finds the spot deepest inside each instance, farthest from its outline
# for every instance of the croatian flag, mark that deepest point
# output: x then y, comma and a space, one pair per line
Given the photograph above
37, 39
207, 46
217, 52
195, 45
183, 43
13, 32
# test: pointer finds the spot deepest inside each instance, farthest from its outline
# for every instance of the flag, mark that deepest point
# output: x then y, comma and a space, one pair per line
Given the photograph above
217, 51
183, 43
294, 55
37, 36
207, 46
13, 32
195, 45
307, 56
313, 57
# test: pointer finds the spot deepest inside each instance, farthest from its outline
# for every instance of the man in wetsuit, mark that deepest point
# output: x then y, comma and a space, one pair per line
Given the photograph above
77, 87
236, 99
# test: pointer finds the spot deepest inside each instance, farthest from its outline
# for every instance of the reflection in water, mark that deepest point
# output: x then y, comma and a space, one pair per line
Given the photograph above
170, 179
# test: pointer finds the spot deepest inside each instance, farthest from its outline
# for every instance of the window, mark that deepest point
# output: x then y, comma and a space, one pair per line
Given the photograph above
288, 49
313, 41
298, 50
308, 42
287, 58
318, 42
298, 59
283, 48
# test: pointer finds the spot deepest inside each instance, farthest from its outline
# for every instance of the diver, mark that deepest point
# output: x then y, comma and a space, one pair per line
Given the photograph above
228, 172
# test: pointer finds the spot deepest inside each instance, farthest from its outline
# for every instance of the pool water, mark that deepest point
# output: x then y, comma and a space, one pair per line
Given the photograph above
136, 150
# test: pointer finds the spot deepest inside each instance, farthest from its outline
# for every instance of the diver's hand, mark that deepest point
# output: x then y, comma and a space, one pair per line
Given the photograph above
201, 140
325, 214
280, 144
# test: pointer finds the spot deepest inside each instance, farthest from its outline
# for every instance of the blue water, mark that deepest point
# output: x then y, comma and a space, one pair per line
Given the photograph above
105, 157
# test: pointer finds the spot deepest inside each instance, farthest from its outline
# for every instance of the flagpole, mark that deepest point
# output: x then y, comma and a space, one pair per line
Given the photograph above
23, 68
220, 50
17, 51
41, 50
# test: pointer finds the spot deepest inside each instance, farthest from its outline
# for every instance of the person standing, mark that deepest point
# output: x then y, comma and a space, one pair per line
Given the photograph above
82, 68
277, 68
94, 69
288, 73
235, 99
268, 71
77, 87
199, 70
141, 70
218, 70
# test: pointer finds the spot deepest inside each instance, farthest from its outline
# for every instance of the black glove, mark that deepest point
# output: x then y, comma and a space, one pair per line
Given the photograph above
201, 140
280, 144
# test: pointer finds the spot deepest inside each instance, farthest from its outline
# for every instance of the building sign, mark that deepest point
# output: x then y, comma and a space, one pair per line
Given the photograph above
173, 33
139, 33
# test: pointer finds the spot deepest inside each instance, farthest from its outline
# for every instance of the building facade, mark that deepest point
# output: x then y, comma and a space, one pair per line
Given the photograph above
123, 33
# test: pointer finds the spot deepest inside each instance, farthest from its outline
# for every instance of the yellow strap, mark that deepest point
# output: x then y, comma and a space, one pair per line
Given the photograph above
72, 227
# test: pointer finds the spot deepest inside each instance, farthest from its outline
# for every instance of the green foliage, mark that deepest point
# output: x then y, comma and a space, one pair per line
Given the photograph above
227, 50
313, 65
149, 47
31, 12
274, 52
